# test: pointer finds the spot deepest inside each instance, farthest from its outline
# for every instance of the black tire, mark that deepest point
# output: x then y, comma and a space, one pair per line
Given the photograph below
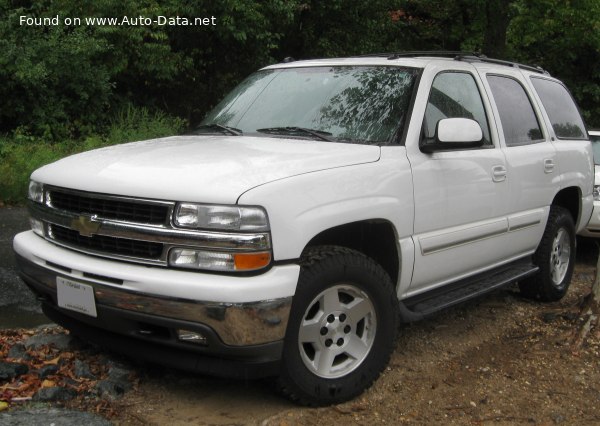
555, 256
350, 345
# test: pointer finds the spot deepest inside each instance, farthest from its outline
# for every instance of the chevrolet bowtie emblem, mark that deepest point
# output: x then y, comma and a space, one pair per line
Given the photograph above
86, 225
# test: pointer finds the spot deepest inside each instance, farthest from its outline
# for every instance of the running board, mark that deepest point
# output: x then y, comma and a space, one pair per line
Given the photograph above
417, 307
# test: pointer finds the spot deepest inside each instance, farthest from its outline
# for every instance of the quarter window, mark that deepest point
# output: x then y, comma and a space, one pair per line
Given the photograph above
519, 122
454, 95
561, 109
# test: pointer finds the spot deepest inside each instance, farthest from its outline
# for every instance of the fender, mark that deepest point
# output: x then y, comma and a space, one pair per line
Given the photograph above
300, 207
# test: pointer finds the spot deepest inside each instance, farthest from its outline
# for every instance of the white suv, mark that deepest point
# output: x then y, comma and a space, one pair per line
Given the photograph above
318, 205
593, 227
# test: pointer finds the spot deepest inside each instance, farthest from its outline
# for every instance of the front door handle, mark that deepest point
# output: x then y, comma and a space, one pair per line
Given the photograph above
498, 173
548, 165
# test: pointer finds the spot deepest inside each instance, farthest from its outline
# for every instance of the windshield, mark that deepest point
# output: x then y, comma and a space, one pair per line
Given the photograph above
596, 146
353, 104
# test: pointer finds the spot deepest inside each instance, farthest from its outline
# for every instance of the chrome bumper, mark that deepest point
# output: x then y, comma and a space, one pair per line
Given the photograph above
236, 324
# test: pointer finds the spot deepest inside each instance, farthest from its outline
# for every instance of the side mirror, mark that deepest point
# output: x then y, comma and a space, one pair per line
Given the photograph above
455, 133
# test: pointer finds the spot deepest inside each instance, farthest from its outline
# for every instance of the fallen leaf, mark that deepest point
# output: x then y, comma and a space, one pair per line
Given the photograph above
3, 405
48, 384
53, 361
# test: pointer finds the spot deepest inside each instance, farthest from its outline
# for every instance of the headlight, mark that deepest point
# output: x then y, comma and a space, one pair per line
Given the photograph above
596, 192
36, 191
224, 218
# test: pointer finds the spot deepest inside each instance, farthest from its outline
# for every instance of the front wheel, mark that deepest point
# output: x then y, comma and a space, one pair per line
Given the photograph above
342, 327
555, 257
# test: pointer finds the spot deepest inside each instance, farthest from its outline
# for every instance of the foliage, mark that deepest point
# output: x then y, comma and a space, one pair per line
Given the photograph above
20, 155
343, 28
64, 82
245, 38
564, 38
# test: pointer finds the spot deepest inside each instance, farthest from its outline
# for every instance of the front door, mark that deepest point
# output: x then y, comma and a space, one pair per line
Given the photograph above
461, 196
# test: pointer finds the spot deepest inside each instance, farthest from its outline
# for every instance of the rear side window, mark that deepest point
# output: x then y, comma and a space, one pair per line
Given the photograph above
519, 122
561, 109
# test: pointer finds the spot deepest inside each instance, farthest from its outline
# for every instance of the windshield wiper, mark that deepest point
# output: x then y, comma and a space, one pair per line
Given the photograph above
219, 128
292, 130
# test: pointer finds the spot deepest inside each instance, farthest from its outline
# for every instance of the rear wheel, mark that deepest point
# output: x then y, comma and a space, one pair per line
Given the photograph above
342, 327
555, 257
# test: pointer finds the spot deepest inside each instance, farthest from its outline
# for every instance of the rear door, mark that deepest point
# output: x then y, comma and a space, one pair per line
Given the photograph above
532, 163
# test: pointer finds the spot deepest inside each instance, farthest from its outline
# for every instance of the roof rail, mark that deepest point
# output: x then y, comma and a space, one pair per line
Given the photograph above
418, 53
459, 56
433, 53
483, 58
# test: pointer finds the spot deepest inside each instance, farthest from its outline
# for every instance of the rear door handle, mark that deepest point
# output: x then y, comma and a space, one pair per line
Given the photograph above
548, 165
498, 173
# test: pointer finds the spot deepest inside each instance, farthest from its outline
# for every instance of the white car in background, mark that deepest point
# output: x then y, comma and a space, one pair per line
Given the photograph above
593, 227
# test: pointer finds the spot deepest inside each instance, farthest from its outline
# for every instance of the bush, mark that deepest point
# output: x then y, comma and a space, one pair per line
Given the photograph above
20, 154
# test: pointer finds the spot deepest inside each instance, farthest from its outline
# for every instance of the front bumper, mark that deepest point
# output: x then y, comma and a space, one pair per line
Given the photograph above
150, 304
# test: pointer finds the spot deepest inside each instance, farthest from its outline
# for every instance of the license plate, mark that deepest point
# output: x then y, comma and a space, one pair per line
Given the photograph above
76, 296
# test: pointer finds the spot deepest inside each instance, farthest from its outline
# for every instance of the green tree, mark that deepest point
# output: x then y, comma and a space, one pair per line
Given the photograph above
564, 38
247, 36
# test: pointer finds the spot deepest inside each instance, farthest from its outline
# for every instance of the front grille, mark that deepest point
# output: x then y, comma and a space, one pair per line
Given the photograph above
125, 210
108, 245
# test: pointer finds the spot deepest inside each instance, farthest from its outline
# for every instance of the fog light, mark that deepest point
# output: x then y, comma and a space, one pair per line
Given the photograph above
217, 261
192, 337
200, 259
37, 226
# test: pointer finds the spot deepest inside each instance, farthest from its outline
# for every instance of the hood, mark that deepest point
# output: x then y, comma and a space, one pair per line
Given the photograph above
212, 169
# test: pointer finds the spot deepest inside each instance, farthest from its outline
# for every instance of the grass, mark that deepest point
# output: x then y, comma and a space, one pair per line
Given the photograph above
21, 155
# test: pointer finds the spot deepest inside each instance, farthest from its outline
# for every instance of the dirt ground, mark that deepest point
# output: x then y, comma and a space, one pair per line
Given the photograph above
500, 360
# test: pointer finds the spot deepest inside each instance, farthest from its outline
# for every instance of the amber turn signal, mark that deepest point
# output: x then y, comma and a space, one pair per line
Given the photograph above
251, 261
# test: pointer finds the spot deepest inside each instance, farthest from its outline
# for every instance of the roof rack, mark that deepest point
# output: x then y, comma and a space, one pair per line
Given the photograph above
483, 58
459, 56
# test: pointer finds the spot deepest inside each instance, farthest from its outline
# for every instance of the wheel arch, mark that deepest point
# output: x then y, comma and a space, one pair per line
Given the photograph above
375, 238
570, 199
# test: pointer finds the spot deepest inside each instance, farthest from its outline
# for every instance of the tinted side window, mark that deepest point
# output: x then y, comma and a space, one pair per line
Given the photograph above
454, 95
561, 109
518, 119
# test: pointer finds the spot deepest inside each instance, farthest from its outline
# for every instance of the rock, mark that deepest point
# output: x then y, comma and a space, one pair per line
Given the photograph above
118, 381
49, 416
47, 370
18, 351
549, 317
55, 393
60, 341
109, 389
81, 369
9, 370
118, 374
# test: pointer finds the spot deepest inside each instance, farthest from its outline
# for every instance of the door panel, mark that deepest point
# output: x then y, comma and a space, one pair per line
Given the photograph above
460, 212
